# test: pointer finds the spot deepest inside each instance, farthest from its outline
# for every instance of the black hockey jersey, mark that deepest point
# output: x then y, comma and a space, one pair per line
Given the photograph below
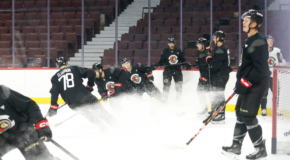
203, 66
16, 109
112, 77
68, 82
139, 73
171, 57
254, 61
220, 65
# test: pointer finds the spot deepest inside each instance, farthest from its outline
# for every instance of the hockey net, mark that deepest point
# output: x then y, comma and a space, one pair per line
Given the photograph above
281, 110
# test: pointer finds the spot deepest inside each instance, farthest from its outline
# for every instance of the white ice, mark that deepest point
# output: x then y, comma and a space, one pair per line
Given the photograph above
148, 129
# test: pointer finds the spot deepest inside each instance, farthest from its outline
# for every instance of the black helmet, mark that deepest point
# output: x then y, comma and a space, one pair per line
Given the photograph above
204, 42
97, 66
270, 37
125, 60
220, 34
171, 40
254, 16
60, 62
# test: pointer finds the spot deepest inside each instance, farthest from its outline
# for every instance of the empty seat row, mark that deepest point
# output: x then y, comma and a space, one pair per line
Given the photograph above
56, 22
207, 2
41, 36
54, 4
53, 15
20, 47
42, 29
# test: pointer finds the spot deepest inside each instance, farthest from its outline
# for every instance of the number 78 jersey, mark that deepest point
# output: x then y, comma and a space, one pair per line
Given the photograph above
68, 82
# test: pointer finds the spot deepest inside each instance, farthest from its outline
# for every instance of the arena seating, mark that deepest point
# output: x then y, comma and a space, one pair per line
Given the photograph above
165, 21
65, 27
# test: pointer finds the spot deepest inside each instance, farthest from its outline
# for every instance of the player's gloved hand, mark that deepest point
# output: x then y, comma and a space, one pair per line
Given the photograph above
90, 88
118, 88
208, 59
52, 110
203, 80
187, 66
43, 130
104, 96
242, 86
150, 77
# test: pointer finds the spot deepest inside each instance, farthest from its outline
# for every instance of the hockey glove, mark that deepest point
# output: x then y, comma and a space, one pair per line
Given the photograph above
90, 88
187, 66
104, 96
118, 88
52, 110
43, 130
208, 59
203, 80
150, 77
242, 86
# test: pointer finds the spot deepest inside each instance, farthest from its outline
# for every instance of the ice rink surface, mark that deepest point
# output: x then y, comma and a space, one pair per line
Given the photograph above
149, 131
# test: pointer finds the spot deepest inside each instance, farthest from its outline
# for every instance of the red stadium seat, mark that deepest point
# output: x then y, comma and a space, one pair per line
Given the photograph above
34, 51
5, 44
141, 37
32, 44
127, 37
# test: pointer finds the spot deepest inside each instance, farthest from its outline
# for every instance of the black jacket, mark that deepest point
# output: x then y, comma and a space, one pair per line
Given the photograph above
68, 82
171, 57
139, 74
112, 76
254, 65
16, 110
220, 65
203, 66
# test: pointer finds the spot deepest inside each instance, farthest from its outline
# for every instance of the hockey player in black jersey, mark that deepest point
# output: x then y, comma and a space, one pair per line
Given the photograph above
68, 82
203, 46
22, 126
219, 62
252, 83
142, 79
111, 80
172, 57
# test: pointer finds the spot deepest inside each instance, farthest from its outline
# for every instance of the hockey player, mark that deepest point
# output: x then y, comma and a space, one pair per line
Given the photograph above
22, 126
111, 80
142, 78
172, 57
203, 46
252, 83
219, 62
68, 82
275, 58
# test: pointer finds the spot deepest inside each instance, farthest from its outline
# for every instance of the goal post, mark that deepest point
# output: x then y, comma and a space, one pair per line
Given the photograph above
281, 110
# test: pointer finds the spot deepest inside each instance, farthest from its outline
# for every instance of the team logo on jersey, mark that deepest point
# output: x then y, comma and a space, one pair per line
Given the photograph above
173, 59
136, 78
271, 62
110, 86
5, 123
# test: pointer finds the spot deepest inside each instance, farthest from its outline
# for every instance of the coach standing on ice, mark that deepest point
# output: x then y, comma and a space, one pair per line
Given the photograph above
252, 83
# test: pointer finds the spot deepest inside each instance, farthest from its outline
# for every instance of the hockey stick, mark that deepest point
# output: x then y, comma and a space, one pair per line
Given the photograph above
183, 146
63, 149
210, 118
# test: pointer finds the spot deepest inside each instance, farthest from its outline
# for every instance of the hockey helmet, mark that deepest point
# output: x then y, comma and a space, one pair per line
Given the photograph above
204, 42
97, 66
220, 34
124, 61
255, 16
171, 40
270, 37
61, 61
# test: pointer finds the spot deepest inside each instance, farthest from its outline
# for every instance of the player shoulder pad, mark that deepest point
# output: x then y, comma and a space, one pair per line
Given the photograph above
112, 69
202, 54
256, 43
276, 49
220, 51
139, 64
124, 69
5, 92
